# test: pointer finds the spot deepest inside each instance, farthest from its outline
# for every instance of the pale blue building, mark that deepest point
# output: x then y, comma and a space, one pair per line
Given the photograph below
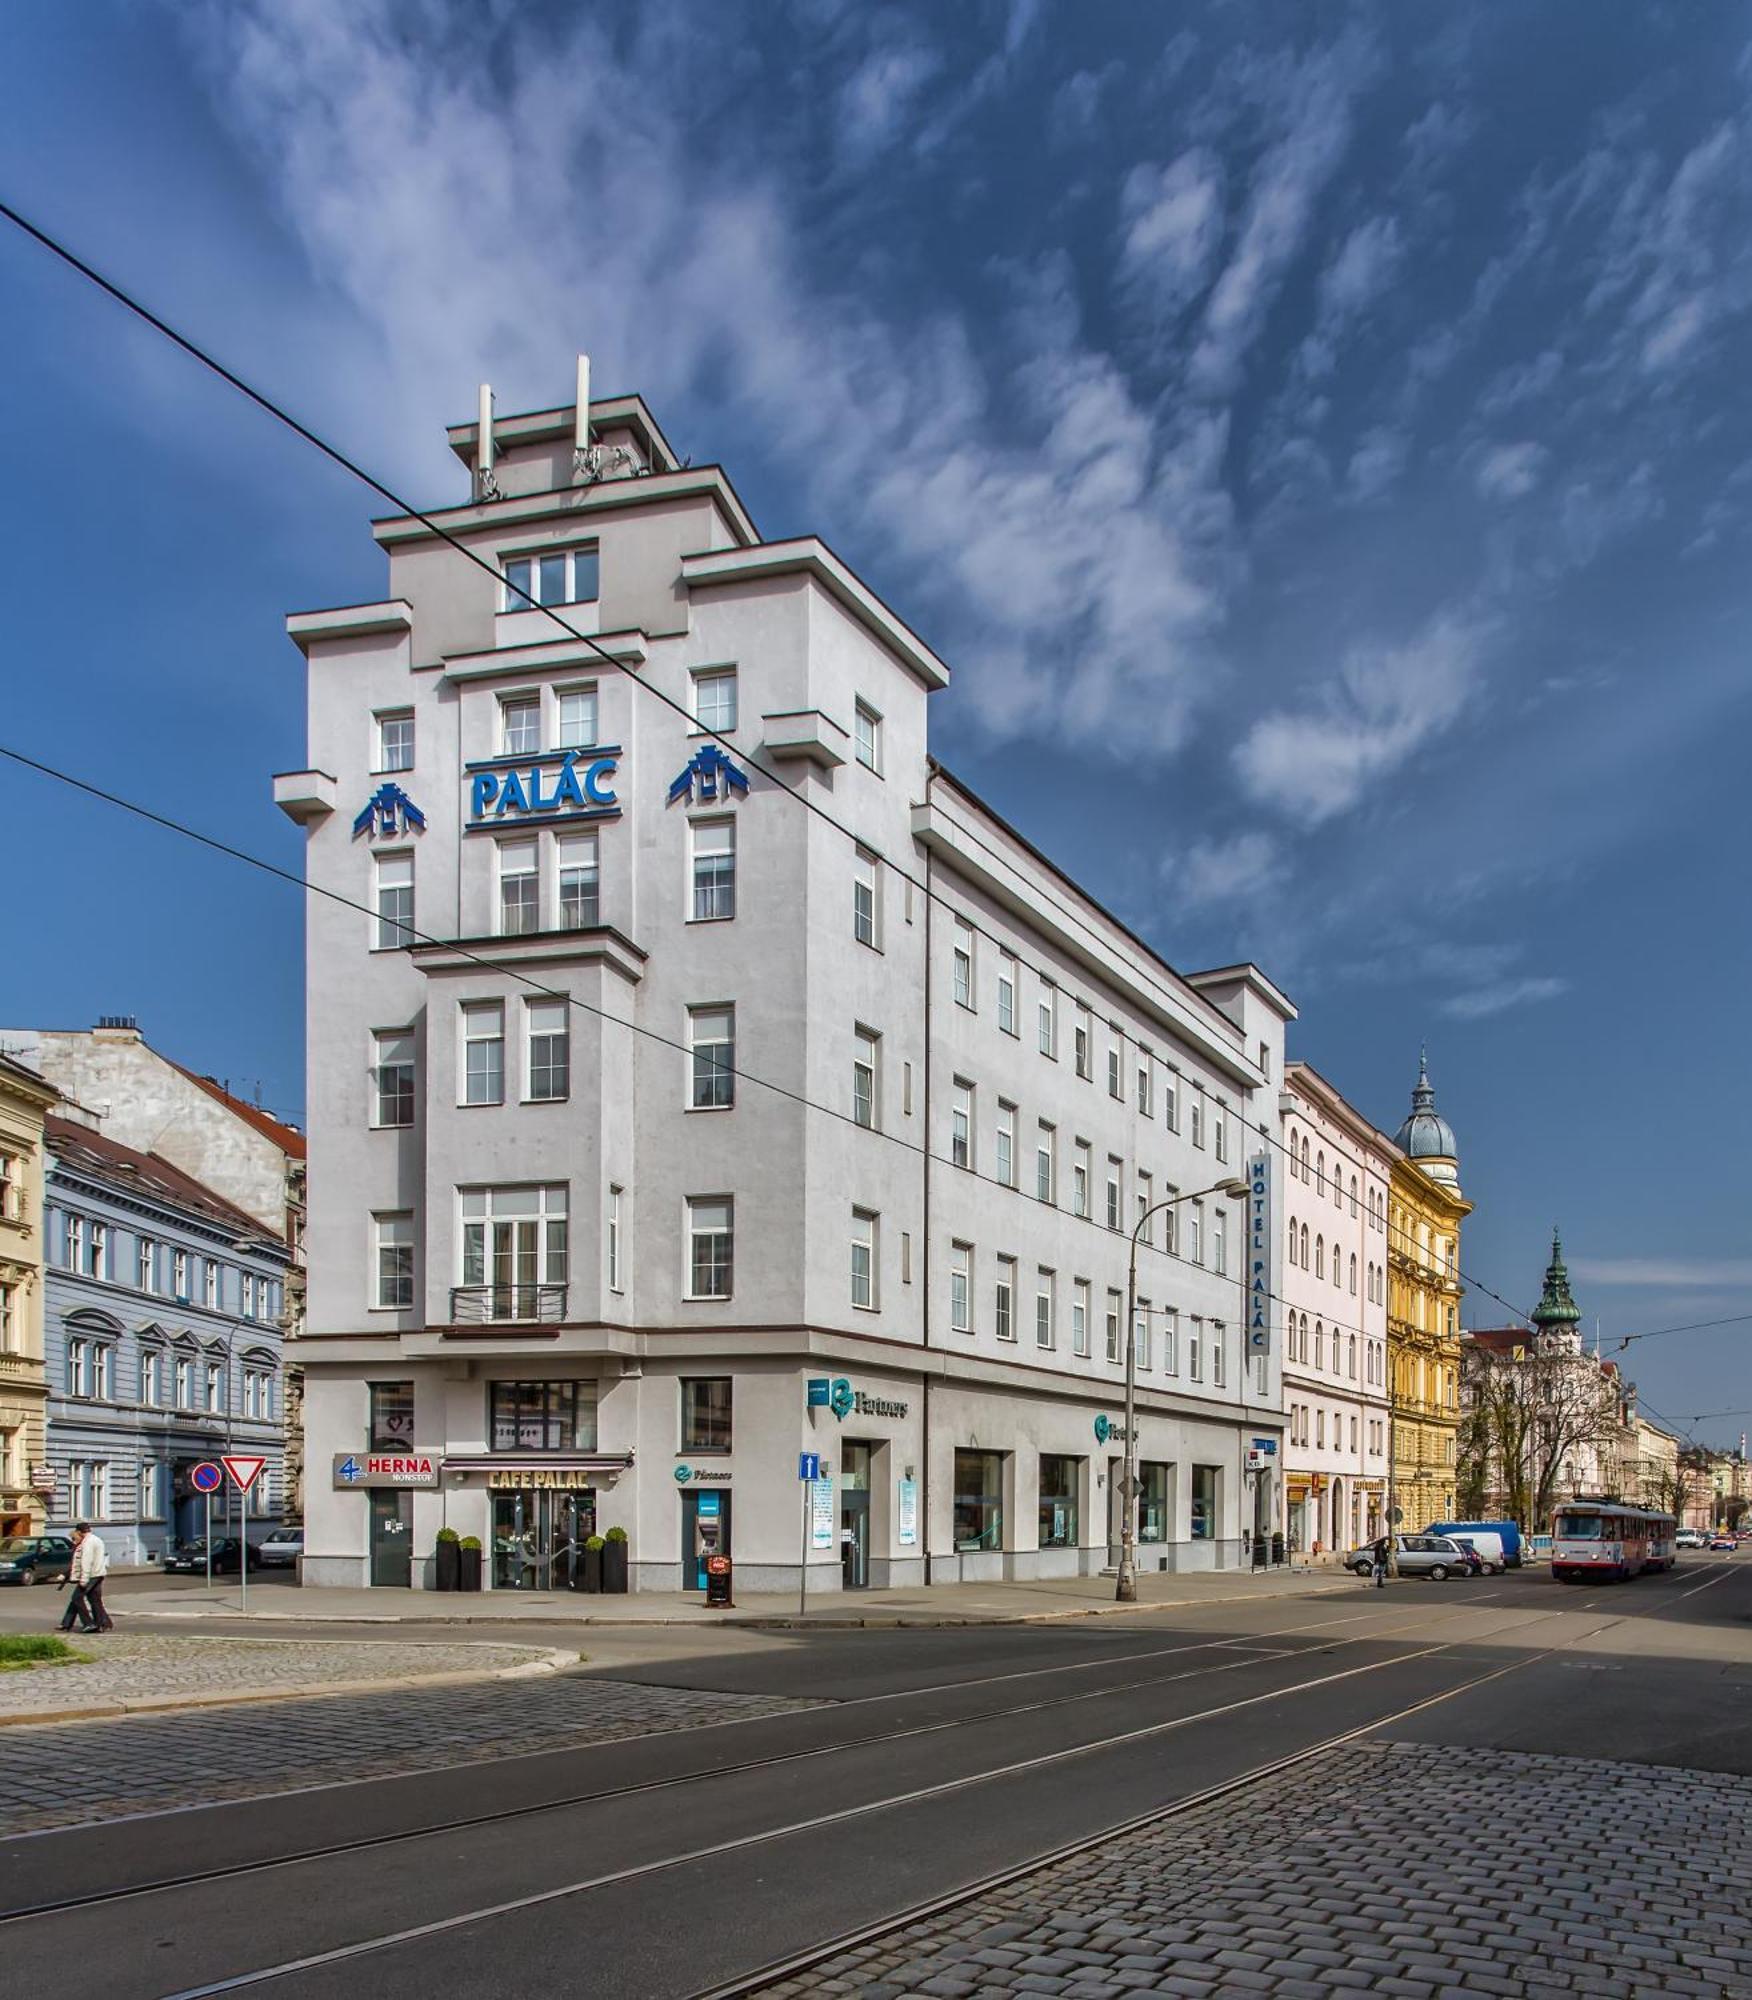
163, 1343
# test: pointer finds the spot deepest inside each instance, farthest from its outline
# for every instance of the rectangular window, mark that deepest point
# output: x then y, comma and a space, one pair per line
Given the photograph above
8, 1187
548, 1027
1048, 1022
554, 576
1115, 1066
963, 965
1219, 1242
711, 1236
1115, 1306
97, 1250
1115, 1194
392, 1077
1195, 1349
711, 1040
483, 1052
395, 900
390, 1416
1085, 1044
1218, 1343
1007, 993
395, 740
393, 1258
1058, 1501
714, 699
1045, 1293
866, 920
1170, 1340
1080, 1318
1046, 1163
1146, 1201
1195, 1233
979, 1501
179, 1274
1171, 1100
1141, 1333
1080, 1180
145, 1263
79, 1368
89, 1488
961, 1287
151, 1376
578, 718
961, 1125
867, 737
519, 889
580, 882
1198, 1119
1145, 1094
520, 725
614, 1238
542, 1416
864, 1099
1006, 1160
705, 1413
1004, 1300
714, 869
75, 1242
1220, 1129
515, 1246
1204, 1502
151, 1490
864, 1235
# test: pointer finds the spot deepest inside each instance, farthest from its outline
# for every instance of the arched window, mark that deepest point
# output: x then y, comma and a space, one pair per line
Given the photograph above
1295, 1255
1302, 1351
1320, 1172
1353, 1274
1319, 1343
1351, 1357
1320, 1256
1353, 1194
1304, 1159
1304, 1246
1337, 1271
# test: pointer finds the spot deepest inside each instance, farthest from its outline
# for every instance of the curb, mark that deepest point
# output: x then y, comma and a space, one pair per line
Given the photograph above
558, 1660
1315, 1581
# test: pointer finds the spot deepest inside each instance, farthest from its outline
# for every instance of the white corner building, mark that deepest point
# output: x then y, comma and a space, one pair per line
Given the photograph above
700, 1077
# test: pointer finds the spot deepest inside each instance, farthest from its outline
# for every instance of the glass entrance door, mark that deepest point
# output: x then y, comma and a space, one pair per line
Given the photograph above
855, 1516
539, 1537
392, 1540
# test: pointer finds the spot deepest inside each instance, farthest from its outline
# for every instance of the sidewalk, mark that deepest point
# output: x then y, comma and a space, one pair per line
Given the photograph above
949, 1604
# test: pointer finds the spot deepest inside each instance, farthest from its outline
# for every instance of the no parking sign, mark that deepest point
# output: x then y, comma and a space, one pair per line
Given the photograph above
206, 1477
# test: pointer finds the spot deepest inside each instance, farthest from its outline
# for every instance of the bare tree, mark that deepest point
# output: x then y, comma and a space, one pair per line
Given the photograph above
1529, 1414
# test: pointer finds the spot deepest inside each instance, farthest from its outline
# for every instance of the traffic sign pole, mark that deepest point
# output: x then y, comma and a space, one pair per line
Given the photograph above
209, 1500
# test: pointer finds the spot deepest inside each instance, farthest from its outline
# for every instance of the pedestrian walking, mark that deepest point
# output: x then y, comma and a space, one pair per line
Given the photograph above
1378, 1568
86, 1572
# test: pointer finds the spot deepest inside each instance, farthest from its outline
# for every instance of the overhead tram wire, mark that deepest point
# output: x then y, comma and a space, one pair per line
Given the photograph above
266, 404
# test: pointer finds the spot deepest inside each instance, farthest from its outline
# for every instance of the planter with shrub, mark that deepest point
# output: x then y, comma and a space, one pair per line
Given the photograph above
447, 1560
614, 1560
593, 1547
469, 1550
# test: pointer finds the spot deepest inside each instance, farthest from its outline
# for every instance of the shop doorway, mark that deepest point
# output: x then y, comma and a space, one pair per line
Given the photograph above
539, 1537
855, 1516
392, 1540
705, 1529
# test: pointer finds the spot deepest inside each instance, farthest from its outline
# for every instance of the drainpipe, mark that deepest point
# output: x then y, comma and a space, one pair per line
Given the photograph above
925, 1229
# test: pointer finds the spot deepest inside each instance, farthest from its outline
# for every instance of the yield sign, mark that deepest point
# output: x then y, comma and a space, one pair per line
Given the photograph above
244, 1472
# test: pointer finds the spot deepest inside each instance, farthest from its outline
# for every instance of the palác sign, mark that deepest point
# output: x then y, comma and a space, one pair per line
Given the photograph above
500, 792
1259, 1259
372, 1469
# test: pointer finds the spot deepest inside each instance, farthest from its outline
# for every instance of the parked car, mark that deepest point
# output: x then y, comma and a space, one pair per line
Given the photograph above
1508, 1533
1475, 1563
1434, 1556
1725, 1543
282, 1548
1485, 1543
34, 1558
190, 1558
1691, 1538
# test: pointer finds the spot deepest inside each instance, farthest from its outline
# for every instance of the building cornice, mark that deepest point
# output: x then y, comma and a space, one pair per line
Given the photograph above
574, 503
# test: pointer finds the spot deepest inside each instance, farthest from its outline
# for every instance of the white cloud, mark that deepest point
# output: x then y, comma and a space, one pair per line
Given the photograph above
1498, 998
1377, 462
1170, 221
1523, 382
1385, 705
878, 98
1509, 471
1677, 1273
1221, 871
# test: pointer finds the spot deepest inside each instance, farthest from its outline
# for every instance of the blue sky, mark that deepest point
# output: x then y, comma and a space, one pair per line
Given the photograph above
1317, 439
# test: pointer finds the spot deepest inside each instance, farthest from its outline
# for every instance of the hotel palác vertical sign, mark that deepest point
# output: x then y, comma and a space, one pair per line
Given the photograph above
1260, 1261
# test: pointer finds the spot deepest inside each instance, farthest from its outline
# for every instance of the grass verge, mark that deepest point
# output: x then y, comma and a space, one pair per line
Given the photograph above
21, 1651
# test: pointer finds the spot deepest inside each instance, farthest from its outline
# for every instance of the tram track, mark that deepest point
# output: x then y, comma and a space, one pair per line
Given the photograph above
1383, 1624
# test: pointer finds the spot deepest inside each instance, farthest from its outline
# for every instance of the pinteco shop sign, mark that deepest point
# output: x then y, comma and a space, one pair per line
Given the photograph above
385, 1468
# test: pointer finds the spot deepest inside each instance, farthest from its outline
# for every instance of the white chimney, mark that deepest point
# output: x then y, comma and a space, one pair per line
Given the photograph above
484, 442
581, 417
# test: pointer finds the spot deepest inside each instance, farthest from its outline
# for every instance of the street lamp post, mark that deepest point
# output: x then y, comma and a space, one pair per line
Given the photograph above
1125, 1589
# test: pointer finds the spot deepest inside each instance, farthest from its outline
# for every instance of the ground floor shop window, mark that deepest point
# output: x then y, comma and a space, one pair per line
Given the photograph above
979, 1501
1153, 1491
1204, 1503
1058, 1502
391, 1416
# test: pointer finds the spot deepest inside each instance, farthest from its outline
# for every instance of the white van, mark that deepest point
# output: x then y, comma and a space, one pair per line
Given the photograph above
1489, 1546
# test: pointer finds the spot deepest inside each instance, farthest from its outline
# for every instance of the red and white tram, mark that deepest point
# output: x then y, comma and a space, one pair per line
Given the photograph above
1602, 1541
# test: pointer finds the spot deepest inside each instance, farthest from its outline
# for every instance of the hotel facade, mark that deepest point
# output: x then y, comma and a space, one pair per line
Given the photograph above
702, 1080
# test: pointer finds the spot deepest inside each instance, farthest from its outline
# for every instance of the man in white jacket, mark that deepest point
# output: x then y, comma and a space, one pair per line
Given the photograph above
86, 1572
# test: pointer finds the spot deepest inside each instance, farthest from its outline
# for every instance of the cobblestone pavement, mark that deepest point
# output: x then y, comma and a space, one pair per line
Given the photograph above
149, 1667
72, 1773
1382, 1868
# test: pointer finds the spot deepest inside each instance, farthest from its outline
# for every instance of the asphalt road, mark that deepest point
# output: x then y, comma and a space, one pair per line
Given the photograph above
667, 1864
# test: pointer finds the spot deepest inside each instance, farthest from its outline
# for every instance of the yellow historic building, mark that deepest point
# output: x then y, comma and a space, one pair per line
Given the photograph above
24, 1382
1424, 1211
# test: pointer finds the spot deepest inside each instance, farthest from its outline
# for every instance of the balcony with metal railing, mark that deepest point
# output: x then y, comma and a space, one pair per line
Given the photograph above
507, 1305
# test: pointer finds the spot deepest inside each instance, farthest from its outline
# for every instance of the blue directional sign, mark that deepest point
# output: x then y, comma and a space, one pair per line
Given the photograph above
809, 1465
206, 1477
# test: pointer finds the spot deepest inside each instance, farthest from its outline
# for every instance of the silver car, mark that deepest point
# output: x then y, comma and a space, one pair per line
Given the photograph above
1435, 1556
282, 1548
